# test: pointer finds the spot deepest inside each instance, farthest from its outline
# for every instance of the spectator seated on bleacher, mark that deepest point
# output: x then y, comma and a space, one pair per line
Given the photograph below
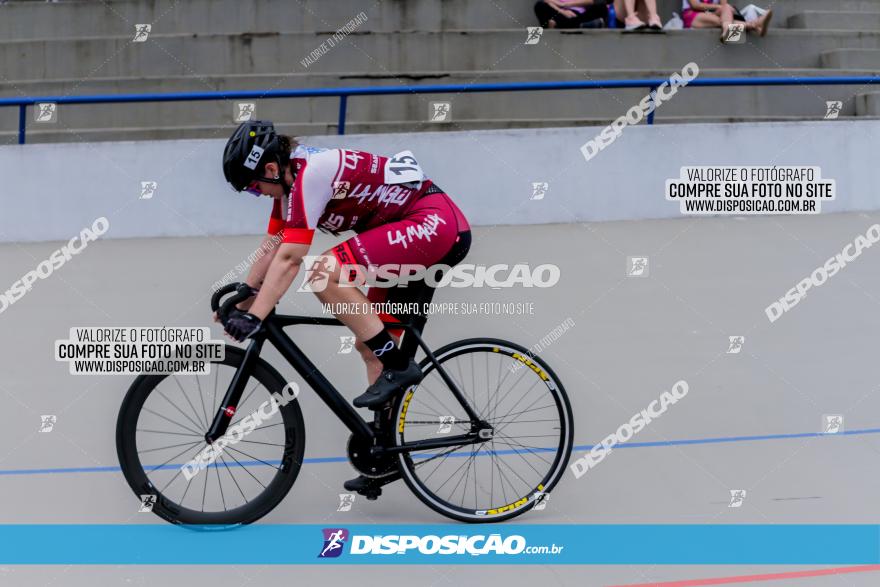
718, 13
572, 14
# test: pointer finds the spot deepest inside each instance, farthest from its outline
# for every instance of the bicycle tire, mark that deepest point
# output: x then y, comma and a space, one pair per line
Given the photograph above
524, 503
164, 507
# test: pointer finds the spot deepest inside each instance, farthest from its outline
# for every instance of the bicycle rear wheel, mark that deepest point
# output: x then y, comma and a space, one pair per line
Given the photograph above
528, 408
162, 425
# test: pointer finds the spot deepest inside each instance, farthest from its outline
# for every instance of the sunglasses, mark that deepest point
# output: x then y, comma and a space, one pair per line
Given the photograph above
253, 187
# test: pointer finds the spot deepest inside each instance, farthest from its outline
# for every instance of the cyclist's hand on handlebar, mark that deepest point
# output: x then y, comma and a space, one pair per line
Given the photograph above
240, 325
246, 304
243, 305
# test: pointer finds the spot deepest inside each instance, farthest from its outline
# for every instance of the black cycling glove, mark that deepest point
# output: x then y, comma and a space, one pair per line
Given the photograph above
241, 325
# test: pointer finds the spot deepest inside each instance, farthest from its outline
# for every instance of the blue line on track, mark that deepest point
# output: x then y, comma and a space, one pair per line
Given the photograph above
583, 447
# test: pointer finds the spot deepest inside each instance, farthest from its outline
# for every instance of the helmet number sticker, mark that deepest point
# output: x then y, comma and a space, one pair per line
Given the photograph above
403, 168
254, 158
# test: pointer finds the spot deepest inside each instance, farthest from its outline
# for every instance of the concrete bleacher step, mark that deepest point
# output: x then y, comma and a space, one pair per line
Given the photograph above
803, 101
62, 134
102, 17
256, 82
864, 59
89, 18
868, 104
835, 20
381, 52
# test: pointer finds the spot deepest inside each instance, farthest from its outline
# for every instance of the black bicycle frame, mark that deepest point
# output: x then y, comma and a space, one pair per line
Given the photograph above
273, 331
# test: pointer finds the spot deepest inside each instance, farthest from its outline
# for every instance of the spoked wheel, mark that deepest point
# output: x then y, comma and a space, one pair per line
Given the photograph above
162, 425
520, 397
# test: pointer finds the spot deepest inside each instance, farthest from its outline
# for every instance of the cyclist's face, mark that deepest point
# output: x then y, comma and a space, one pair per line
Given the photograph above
265, 188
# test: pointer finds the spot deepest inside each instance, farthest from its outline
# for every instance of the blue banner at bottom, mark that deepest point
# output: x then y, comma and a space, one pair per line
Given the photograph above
441, 544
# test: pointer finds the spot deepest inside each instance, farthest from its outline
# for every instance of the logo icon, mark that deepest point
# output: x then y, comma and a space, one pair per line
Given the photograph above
46, 112
832, 424
541, 500
533, 35
334, 540
229, 411
539, 190
318, 271
346, 501
47, 423
637, 266
148, 189
147, 503
736, 33
832, 109
446, 423
244, 111
141, 32
346, 345
440, 112
735, 344
340, 190
737, 496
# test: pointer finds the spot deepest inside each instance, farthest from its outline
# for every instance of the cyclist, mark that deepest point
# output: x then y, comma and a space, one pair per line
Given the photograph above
398, 215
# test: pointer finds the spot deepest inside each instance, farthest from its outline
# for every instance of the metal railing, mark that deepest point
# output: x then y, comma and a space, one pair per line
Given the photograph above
344, 93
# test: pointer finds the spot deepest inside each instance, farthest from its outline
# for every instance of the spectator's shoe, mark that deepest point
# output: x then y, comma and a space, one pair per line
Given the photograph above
655, 25
388, 384
596, 23
633, 25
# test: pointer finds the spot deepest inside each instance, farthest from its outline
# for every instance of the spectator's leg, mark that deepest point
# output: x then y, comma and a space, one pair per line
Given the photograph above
706, 20
592, 12
554, 18
632, 20
648, 11
620, 10
546, 14
760, 24
725, 12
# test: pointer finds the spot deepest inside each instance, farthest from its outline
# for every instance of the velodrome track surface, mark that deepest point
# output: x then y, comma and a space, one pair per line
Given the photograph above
749, 421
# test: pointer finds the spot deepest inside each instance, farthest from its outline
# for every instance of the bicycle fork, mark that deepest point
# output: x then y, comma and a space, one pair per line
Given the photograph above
227, 408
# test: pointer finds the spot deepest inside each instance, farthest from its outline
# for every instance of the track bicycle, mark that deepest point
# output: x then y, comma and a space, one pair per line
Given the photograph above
483, 437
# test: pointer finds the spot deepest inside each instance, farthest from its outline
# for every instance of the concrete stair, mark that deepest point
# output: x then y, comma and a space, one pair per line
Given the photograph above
90, 18
83, 47
197, 55
867, 104
836, 20
863, 59
515, 109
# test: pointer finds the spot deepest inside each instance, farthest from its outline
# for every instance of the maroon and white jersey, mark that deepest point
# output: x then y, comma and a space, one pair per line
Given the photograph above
339, 189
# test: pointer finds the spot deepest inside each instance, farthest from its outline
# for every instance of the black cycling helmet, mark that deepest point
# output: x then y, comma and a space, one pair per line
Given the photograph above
253, 143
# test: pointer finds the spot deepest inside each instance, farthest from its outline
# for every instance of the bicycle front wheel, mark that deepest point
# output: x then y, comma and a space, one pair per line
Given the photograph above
160, 434
524, 402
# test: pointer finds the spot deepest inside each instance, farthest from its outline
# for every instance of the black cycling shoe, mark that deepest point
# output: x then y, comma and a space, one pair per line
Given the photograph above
388, 384
369, 487
358, 484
